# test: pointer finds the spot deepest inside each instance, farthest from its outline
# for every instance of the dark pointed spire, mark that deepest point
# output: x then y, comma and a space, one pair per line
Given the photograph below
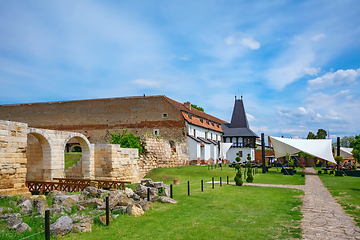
239, 119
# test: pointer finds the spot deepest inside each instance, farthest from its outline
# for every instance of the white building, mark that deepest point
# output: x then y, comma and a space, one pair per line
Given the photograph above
239, 134
203, 135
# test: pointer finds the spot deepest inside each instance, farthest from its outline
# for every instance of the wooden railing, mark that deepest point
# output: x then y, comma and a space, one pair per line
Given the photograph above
71, 185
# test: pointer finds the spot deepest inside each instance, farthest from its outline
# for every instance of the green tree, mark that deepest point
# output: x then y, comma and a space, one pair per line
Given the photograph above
347, 141
237, 178
126, 140
250, 177
311, 136
321, 134
196, 107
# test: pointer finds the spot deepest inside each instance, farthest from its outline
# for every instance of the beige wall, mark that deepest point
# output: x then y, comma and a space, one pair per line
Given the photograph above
13, 137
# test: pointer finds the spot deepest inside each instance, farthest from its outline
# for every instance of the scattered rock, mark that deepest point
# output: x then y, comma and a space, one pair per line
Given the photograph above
40, 205
115, 216
93, 202
66, 200
129, 192
10, 215
147, 182
18, 225
61, 226
21, 200
125, 202
135, 210
84, 225
164, 199
56, 209
120, 209
136, 197
101, 193
141, 190
158, 185
25, 207
145, 205
90, 192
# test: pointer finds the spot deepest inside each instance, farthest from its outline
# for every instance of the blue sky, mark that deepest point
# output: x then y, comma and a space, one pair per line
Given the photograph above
296, 63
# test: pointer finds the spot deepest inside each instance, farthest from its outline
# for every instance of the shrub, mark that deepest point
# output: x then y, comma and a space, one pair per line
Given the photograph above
338, 159
250, 177
237, 177
126, 140
238, 159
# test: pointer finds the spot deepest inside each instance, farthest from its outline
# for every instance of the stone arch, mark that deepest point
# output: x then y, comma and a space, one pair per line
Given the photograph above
84, 169
40, 169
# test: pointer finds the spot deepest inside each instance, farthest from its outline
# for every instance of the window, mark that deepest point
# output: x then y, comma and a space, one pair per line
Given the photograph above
156, 131
211, 137
216, 137
240, 153
206, 135
194, 132
165, 115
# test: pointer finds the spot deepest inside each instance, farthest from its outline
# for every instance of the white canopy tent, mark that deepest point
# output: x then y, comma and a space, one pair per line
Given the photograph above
320, 148
224, 147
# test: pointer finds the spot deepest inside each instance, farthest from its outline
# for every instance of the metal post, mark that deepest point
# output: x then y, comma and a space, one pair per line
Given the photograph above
202, 185
148, 194
227, 179
107, 211
47, 224
220, 182
188, 188
171, 191
213, 183
263, 153
338, 146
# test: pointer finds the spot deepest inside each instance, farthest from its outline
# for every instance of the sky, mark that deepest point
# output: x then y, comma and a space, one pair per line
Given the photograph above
296, 63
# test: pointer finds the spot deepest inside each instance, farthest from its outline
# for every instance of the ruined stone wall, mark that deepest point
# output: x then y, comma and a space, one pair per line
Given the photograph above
162, 153
99, 117
13, 160
34, 154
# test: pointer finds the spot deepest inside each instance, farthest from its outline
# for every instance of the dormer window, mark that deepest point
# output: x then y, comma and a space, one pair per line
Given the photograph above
165, 115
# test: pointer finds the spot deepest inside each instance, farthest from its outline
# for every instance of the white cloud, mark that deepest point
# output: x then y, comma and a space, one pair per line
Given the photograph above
340, 77
311, 71
241, 39
146, 83
250, 117
250, 43
259, 129
318, 37
186, 57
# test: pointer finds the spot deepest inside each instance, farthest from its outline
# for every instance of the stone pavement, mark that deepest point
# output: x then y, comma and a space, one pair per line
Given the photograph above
323, 218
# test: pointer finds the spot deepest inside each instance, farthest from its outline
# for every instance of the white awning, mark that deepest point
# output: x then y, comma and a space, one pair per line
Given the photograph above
224, 147
320, 148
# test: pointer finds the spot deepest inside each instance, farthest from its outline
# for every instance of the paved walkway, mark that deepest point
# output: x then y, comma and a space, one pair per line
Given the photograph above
323, 218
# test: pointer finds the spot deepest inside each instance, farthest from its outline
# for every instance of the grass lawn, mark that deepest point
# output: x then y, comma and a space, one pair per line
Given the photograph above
72, 158
227, 212
346, 191
196, 173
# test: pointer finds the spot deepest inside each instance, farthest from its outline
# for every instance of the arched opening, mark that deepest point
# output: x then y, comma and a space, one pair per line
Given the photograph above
38, 155
77, 156
73, 153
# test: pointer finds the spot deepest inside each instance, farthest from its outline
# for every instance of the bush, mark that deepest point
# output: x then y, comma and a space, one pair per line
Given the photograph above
237, 177
338, 159
250, 177
126, 140
238, 159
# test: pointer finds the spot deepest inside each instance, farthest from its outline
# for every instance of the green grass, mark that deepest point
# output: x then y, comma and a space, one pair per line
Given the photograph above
346, 191
226, 212
191, 173
71, 159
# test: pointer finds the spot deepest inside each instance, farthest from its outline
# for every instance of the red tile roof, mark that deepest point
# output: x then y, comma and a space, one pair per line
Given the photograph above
195, 112
206, 124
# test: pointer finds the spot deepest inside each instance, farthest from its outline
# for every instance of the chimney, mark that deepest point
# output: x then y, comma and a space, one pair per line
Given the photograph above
269, 142
188, 105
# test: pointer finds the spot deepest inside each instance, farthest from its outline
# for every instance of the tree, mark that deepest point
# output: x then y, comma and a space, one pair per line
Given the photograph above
250, 177
321, 134
126, 140
311, 136
347, 141
196, 107
237, 177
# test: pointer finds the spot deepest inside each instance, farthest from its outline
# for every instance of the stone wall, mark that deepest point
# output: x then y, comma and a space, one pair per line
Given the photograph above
161, 153
13, 138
